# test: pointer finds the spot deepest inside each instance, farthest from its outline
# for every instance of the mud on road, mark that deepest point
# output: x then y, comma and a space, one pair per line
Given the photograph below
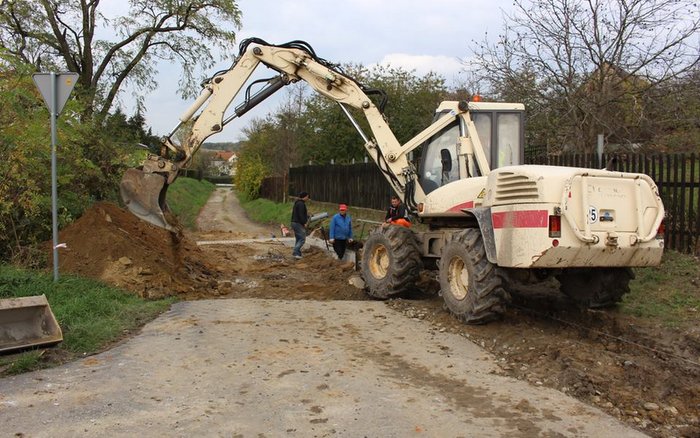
647, 376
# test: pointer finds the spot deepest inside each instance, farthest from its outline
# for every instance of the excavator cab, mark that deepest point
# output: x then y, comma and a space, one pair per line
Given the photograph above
500, 131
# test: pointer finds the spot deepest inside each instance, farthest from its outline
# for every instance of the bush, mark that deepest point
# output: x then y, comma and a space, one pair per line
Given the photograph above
250, 173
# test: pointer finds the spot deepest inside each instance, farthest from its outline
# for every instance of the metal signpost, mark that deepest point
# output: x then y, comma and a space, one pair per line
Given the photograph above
55, 89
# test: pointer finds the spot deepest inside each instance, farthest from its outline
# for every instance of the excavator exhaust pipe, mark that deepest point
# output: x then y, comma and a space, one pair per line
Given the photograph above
143, 194
27, 322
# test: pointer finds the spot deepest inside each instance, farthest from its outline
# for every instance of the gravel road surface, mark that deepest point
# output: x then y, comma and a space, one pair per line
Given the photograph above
252, 367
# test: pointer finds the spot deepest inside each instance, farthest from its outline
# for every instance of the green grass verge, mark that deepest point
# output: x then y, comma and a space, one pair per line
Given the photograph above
265, 211
186, 197
91, 314
668, 294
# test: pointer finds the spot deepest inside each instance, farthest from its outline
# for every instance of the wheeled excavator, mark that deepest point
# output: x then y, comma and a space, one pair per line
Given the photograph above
492, 222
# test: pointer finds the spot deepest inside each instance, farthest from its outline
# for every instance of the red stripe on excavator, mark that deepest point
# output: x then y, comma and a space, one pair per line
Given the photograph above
462, 206
521, 219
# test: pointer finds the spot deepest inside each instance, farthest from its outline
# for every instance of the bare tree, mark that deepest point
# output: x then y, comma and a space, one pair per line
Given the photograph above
64, 34
590, 63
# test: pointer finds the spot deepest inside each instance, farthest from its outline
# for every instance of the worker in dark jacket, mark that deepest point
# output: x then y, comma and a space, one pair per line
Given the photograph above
397, 214
341, 231
300, 218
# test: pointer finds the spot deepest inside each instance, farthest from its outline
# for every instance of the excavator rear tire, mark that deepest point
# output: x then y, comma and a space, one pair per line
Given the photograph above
471, 286
390, 261
596, 288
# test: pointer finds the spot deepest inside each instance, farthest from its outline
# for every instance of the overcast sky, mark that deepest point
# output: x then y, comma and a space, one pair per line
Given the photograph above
414, 34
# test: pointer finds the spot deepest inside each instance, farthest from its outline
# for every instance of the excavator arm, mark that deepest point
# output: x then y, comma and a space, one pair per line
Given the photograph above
143, 190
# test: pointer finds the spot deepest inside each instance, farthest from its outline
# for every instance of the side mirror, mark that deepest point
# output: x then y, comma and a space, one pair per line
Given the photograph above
446, 159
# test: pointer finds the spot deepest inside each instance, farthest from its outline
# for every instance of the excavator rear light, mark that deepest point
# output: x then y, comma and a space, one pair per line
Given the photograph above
554, 226
420, 207
661, 230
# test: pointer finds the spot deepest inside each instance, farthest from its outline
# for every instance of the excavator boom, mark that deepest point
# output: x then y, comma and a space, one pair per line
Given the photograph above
143, 190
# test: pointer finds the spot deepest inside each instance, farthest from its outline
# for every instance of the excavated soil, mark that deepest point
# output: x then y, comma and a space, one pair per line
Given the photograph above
110, 244
645, 375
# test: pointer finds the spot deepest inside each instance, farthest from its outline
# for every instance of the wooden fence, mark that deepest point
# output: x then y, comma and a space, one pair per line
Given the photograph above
362, 185
358, 185
274, 188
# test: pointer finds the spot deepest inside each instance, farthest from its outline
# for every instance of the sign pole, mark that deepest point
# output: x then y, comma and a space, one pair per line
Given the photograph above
54, 189
55, 89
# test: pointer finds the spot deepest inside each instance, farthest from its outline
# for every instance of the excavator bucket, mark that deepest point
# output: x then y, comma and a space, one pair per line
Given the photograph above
144, 195
27, 322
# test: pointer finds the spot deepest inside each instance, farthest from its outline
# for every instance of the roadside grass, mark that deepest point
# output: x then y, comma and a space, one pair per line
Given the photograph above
92, 315
186, 197
668, 294
265, 211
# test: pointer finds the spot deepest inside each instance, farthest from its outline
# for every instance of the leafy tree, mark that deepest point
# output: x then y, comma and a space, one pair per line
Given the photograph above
250, 172
137, 124
412, 100
65, 34
25, 160
674, 115
587, 67
276, 138
90, 159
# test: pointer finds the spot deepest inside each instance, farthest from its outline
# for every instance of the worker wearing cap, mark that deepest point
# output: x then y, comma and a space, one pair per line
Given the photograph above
341, 230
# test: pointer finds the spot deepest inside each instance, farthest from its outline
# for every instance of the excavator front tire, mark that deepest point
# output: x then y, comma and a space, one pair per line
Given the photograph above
390, 261
471, 286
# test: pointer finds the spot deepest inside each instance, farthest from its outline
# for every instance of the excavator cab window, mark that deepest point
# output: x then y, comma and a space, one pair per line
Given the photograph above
439, 164
501, 134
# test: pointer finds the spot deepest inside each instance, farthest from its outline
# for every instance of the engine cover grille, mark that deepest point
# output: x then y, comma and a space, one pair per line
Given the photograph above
515, 187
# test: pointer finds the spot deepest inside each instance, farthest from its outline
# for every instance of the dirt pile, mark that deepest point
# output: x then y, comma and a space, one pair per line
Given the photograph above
110, 244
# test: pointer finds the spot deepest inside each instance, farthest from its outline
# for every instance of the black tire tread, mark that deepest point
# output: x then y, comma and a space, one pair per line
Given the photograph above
596, 288
405, 262
488, 298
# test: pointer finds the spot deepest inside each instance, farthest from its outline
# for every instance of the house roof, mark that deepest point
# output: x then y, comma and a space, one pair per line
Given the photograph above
224, 155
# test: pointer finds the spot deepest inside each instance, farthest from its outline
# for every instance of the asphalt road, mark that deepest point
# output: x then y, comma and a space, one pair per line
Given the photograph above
266, 368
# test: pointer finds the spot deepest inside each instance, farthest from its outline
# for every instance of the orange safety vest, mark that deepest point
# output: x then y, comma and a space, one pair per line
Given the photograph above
401, 221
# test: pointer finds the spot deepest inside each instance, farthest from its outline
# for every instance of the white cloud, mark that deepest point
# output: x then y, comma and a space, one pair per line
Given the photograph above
446, 66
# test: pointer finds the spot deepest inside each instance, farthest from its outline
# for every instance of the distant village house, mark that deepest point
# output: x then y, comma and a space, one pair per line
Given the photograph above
224, 163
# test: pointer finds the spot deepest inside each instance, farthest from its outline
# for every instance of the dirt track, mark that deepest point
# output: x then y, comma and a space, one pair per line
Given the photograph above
646, 376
